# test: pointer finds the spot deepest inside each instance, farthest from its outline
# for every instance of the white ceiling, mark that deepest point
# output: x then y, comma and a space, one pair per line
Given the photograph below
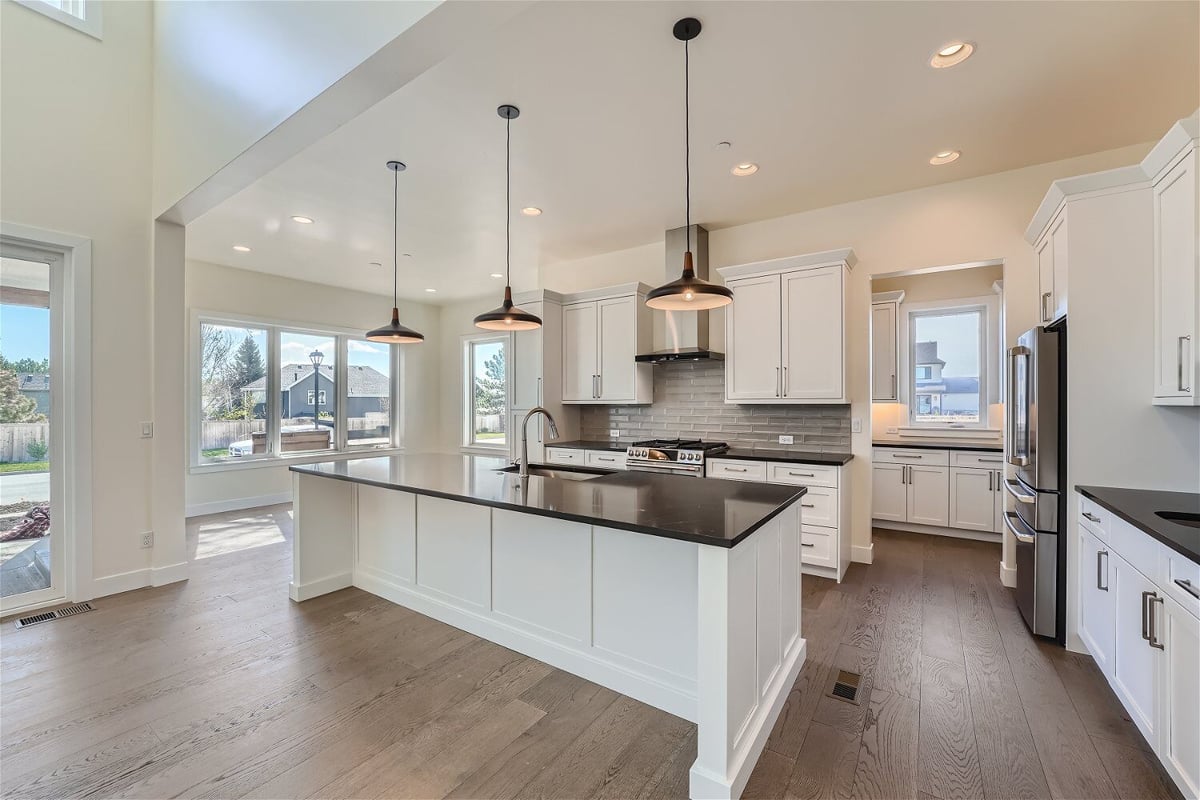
835, 101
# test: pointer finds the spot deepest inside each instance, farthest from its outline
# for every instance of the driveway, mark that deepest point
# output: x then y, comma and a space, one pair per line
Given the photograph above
32, 486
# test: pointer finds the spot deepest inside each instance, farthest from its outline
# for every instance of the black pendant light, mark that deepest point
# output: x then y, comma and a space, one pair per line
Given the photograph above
394, 332
508, 317
689, 293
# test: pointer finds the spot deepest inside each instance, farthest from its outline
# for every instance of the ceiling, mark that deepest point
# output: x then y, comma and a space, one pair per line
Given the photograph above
835, 100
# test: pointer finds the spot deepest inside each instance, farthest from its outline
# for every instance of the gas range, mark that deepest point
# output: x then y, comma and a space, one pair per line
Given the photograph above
676, 456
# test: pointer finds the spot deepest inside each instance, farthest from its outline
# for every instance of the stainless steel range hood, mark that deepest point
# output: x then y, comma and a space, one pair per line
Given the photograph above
686, 332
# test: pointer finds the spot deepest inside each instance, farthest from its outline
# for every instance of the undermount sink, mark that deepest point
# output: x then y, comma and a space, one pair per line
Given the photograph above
562, 473
1180, 518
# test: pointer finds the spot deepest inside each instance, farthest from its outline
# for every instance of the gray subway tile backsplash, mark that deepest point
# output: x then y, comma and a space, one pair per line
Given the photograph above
689, 401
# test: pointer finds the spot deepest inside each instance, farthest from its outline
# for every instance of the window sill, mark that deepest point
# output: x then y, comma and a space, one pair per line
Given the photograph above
287, 461
950, 433
484, 450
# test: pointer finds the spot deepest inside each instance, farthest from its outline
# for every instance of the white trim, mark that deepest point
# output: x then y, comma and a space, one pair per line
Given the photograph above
908, 273
1096, 183
860, 554
935, 530
91, 23
829, 258
604, 293
300, 458
1008, 576
236, 504
330, 583
171, 573
121, 582
1180, 136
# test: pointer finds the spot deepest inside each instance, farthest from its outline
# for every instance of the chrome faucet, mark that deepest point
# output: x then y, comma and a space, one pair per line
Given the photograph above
524, 462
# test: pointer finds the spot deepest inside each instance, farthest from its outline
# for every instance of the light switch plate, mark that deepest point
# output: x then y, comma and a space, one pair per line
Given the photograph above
614, 433
856, 425
787, 439
147, 430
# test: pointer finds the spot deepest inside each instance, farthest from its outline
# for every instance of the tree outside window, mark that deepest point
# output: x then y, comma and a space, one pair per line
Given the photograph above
488, 382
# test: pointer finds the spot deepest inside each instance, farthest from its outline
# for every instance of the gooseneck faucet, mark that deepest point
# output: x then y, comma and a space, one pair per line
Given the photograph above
524, 471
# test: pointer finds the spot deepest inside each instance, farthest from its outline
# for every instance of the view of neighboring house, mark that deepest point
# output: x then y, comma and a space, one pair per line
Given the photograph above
37, 387
302, 393
939, 394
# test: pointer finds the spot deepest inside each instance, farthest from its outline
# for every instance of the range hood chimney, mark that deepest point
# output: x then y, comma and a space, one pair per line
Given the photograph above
686, 331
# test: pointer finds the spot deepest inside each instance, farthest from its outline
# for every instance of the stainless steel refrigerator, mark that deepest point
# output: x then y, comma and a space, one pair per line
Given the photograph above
1036, 447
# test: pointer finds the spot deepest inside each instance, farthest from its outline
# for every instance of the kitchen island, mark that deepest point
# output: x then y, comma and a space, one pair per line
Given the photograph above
681, 592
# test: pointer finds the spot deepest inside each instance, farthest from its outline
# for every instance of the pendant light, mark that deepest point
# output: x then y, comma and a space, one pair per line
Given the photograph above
508, 317
394, 332
689, 293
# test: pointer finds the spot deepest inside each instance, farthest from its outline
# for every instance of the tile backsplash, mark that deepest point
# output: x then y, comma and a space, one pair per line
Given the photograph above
689, 401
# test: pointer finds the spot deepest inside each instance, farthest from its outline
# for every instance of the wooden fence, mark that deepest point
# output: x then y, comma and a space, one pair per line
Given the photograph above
15, 439
217, 433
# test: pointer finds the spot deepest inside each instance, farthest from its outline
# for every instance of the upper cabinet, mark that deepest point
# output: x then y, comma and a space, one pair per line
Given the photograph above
885, 350
1172, 168
603, 330
785, 336
1051, 251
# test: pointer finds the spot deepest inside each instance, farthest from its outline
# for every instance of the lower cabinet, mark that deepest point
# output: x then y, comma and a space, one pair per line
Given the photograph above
600, 459
976, 502
1135, 657
929, 495
954, 489
1096, 599
1179, 743
889, 492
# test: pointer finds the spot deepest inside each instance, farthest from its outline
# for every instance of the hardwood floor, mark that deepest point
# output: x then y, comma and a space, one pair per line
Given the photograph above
222, 687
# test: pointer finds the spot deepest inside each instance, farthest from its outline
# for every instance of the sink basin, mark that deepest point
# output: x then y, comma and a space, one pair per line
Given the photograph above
562, 473
1180, 518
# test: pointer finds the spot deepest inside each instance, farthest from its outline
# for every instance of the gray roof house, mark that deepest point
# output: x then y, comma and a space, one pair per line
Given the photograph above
36, 386
367, 391
942, 394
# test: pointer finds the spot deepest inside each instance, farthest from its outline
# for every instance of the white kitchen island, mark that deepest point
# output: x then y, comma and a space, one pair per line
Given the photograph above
681, 592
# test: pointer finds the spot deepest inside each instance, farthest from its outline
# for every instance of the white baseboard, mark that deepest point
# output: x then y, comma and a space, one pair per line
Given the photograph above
171, 573
121, 582
862, 555
1008, 576
330, 583
935, 530
236, 504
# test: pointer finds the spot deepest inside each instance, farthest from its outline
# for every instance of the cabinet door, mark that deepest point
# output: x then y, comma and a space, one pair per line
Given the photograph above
929, 495
618, 347
753, 331
1135, 663
1175, 289
1045, 261
1096, 623
884, 355
1179, 747
1058, 238
527, 364
889, 493
580, 351
813, 335
998, 523
972, 499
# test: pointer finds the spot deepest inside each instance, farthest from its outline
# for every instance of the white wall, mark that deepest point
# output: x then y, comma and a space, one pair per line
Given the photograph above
955, 223
74, 142
211, 287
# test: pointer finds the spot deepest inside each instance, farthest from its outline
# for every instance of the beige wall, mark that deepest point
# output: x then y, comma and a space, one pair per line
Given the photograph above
955, 223
74, 142
211, 287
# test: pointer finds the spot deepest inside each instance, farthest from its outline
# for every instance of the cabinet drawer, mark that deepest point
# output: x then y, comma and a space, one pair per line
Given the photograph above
1139, 549
818, 546
1094, 517
738, 470
819, 506
960, 458
1181, 579
605, 459
562, 455
802, 474
911, 455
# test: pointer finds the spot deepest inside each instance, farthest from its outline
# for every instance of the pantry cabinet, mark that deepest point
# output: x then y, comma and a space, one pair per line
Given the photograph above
535, 373
603, 331
785, 334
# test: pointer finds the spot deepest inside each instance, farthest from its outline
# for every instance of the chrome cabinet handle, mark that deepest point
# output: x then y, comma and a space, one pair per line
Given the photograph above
1153, 638
903, 455
1090, 517
539, 391
1186, 585
785, 382
735, 469
1146, 615
778, 382
807, 505
807, 544
1182, 339
1100, 571
1045, 316
602, 458
989, 460
991, 478
998, 479
893, 386
795, 474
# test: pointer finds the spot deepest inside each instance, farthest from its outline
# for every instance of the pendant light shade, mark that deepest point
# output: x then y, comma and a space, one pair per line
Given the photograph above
508, 317
394, 332
689, 293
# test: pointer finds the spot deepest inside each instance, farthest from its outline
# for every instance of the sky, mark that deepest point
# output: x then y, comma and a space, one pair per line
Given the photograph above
295, 347
24, 332
958, 342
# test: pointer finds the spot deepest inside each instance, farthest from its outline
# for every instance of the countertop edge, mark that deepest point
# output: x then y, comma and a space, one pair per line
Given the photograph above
819, 459
1159, 536
965, 446
664, 533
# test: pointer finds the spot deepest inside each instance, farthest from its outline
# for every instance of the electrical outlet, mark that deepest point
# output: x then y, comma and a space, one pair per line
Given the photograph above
856, 425
614, 433
148, 539
892, 430
147, 430
787, 439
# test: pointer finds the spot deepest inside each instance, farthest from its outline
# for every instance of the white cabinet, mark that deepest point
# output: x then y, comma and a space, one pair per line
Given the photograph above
598, 459
1051, 250
975, 499
1135, 659
1096, 598
1176, 270
603, 331
785, 333
527, 363
889, 494
1179, 746
923, 496
929, 494
885, 350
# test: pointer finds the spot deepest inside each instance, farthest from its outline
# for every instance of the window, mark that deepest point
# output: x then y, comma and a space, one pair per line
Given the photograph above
266, 392
948, 367
82, 15
486, 386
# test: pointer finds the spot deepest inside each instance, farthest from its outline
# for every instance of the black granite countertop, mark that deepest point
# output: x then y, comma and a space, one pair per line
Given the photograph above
1137, 507
614, 445
943, 444
719, 513
786, 456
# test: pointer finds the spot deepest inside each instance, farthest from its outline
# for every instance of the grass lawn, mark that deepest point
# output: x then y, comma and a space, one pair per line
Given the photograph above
24, 466
215, 452
482, 435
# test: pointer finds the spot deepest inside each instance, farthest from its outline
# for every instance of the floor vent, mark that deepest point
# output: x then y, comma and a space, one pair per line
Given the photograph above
58, 613
845, 686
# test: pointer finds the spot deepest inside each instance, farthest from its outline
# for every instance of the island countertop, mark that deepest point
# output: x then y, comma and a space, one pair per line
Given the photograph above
719, 513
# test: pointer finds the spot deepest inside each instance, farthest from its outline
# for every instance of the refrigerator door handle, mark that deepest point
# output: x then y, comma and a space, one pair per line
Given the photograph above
1028, 499
1021, 537
1017, 457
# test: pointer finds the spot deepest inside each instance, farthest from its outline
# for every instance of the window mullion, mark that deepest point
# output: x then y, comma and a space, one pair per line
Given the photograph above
274, 402
342, 393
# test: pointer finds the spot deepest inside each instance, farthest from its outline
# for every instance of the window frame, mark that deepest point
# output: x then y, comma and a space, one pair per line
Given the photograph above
988, 313
275, 328
85, 16
467, 409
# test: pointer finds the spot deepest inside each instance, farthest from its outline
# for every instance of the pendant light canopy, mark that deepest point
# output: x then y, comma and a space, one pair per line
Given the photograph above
689, 293
508, 317
394, 332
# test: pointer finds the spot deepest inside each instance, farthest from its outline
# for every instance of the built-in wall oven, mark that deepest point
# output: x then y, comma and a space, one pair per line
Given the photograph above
1036, 447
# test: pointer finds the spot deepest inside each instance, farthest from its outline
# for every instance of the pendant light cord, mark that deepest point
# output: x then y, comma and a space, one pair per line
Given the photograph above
395, 237
508, 201
687, 143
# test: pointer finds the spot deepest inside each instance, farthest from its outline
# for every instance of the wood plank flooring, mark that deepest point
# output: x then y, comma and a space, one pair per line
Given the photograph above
222, 687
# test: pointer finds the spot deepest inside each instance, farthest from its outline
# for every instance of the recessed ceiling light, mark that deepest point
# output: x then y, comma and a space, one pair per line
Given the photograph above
302, 220
497, 274
531, 211
241, 248
431, 291
952, 53
747, 168
944, 157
